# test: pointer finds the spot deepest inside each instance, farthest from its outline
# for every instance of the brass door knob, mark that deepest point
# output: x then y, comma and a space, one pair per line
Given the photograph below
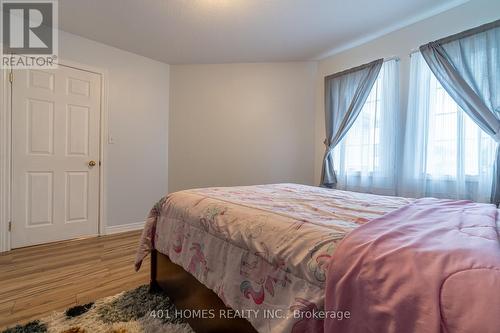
92, 164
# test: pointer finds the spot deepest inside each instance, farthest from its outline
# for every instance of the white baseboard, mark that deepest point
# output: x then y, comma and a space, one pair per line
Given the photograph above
114, 229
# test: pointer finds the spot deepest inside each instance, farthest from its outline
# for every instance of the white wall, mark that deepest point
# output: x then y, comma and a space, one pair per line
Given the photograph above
398, 43
138, 104
241, 124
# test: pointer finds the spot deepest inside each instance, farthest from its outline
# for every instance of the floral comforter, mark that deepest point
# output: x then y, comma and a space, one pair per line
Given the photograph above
264, 249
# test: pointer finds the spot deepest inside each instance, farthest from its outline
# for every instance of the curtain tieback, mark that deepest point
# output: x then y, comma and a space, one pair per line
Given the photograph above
497, 136
327, 143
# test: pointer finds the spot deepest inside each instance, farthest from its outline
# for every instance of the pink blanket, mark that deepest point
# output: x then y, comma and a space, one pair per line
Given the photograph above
261, 248
431, 266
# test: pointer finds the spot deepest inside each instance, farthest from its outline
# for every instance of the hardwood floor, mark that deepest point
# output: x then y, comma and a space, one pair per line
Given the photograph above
37, 280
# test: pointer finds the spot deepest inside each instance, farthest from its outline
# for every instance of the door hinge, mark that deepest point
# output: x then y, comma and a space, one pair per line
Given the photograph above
11, 77
10, 226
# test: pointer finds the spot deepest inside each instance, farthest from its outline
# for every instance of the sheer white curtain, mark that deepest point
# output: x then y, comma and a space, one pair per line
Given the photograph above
365, 159
467, 65
446, 154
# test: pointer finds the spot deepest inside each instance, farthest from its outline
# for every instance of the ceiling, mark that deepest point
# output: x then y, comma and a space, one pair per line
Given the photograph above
221, 31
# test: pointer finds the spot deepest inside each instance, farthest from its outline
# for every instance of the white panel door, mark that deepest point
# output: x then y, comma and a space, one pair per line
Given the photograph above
55, 131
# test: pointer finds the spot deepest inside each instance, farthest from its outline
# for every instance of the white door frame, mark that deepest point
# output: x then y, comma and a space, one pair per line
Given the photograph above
6, 151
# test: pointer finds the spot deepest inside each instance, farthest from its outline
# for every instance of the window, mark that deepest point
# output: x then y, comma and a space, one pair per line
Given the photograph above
360, 146
456, 145
446, 155
365, 158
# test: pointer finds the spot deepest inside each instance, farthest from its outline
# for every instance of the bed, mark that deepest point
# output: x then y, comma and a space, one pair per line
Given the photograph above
264, 252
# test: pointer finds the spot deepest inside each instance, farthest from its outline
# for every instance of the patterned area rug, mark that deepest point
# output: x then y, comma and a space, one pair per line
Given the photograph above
128, 312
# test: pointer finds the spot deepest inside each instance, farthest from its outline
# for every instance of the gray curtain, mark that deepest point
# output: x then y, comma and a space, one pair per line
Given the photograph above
345, 94
468, 67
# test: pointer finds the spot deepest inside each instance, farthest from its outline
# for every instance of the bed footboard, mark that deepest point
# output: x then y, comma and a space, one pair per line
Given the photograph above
187, 293
154, 287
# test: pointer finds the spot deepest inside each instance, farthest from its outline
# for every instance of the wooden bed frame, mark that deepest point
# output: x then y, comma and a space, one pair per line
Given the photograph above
187, 293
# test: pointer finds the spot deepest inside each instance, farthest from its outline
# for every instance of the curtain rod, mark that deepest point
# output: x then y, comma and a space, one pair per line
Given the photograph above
354, 69
463, 34
413, 51
469, 32
391, 58
396, 58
